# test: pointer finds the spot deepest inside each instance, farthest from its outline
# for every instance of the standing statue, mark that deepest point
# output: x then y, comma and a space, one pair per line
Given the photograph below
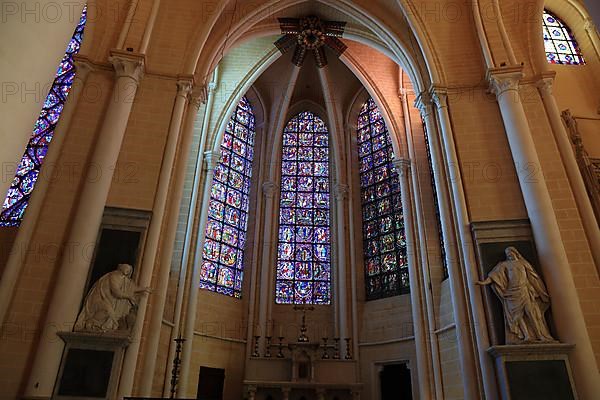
111, 303
524, 299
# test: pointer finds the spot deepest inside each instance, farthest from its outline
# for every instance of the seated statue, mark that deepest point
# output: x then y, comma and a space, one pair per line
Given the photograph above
110, 303
524, 299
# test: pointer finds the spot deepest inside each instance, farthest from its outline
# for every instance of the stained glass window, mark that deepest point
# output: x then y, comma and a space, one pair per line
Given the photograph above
304, 248
223, 257
28, 169
561, 46
436, 206
384, 240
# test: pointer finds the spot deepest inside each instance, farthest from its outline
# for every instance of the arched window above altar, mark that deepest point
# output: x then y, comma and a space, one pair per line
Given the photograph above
304, 244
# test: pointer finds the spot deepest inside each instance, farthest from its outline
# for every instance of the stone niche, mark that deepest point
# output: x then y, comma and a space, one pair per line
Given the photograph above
91, 365
120, 239
491, 238
532, 370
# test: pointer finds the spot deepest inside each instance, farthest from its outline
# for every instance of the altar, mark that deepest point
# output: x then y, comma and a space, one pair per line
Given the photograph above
273, 379
302, 369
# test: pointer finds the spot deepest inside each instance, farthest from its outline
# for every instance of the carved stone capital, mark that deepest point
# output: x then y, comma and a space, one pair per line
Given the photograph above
545, 86
185, 85
402, 93
211, 158
197, 96
268, 189
340, 191
439, 96
544, 83
83, 65
402, 165
127, 64
504, 79
423, 103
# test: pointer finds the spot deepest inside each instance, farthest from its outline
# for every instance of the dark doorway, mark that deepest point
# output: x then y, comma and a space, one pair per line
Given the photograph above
395, 382
210, 384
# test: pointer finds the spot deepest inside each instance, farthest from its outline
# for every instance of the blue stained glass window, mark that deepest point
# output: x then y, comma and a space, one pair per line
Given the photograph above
559, 42
223, 255
304, 246
384, 240
28, 169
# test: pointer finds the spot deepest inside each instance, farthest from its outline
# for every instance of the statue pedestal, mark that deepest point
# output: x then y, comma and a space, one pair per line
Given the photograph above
91, 365
534, 371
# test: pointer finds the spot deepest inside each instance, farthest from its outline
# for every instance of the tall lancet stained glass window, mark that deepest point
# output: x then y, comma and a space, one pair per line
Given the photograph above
28, 169
223, 257
559, 42
384, 241
304, 248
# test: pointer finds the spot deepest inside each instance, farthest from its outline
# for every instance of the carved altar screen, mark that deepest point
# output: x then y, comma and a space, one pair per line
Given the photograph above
223, 256
384, 240
304, 248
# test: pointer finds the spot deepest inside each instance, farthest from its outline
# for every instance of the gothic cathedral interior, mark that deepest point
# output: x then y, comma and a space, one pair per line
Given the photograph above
300, 200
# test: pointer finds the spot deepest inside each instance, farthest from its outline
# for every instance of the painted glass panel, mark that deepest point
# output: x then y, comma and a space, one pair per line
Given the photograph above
222, 268
28, 169
303, 273
384, 240
559, 42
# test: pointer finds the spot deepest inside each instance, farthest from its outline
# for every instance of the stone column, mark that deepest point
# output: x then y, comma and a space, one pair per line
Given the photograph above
588, 218
474, 296
403, 167
341, 193
566, 310
352, 256
421, 246
156, 229
459, 303
212, 159
198, 96
75, 264
268, 189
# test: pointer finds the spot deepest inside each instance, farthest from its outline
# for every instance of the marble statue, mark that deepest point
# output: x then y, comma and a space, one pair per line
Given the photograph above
524, 299
111, 302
